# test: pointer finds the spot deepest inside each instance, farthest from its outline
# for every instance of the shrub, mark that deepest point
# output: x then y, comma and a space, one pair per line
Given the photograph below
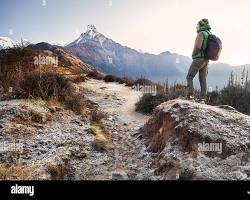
44, 85
213, 98
78, 79
121, 80
111, 78
95, 75
128, 81
97, 115
75, 102
235, 94
52, 87
14, 63
147, 103
58, 169
143, 81
176, 91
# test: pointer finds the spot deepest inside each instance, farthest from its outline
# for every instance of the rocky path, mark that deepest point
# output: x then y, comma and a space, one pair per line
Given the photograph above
128, 158
58, 144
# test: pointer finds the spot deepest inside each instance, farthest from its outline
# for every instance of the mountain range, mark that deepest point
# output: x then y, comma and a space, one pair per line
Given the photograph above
6, 42
111, 57
108, 56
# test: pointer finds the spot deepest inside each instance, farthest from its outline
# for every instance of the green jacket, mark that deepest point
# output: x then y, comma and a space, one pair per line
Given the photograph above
205, 30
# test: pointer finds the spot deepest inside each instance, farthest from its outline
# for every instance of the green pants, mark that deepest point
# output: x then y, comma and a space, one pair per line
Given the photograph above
201, 66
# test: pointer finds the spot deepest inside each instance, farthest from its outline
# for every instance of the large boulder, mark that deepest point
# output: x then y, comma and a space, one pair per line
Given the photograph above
198, 141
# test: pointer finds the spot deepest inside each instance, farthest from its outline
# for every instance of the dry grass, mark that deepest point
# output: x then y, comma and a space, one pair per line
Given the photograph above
97, 115
58, 168
78, 79
98, 129
15, 172
40, 118
53, 69
75, 102
54, 101
30, 117
57, 172
101, 141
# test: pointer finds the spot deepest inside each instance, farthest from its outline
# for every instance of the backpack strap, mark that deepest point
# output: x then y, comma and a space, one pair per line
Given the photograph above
206, 35
204, 45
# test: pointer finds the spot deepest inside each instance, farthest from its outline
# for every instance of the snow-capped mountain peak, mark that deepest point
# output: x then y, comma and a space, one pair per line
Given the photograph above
23, 42
6, 42
91, 35
92, 31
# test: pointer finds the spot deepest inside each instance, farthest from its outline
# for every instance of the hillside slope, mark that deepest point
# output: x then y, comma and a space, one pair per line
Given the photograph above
196, 141
65, 59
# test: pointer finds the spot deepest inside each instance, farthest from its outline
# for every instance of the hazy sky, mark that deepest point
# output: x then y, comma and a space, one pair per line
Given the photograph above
152, 26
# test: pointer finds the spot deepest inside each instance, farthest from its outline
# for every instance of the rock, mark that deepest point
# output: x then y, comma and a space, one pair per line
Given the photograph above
119, 175
214, 138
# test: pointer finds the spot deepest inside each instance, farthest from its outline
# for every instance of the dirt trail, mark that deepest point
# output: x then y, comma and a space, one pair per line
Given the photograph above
130, 158
62, 145
108, 94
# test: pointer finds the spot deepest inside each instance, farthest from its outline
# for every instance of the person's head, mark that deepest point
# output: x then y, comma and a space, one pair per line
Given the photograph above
204, 23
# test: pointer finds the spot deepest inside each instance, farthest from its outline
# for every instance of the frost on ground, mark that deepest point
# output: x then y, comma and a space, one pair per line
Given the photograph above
61, 145
58, 144
178, 127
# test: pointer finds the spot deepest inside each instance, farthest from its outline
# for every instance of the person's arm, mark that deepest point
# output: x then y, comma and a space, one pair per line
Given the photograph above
198, 43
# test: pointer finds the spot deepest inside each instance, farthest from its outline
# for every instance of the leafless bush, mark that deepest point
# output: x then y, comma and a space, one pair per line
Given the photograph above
44, 85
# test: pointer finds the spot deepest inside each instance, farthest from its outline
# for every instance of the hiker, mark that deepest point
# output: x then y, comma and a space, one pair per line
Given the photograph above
199, 64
